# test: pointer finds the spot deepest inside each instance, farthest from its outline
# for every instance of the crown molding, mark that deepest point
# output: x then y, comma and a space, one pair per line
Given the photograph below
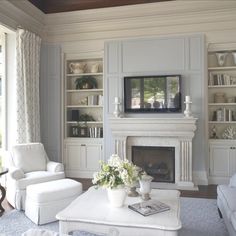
163, 18
140, 22
144, 10
214, 18
14, 13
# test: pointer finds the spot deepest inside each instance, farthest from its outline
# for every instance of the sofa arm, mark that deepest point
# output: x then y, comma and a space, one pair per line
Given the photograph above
232, 182
16, 173
55, 166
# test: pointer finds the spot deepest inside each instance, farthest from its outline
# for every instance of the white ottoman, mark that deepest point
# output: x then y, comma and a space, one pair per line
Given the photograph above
45, 200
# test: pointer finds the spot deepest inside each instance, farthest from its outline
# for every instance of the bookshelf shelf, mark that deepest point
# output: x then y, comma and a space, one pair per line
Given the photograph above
221, 113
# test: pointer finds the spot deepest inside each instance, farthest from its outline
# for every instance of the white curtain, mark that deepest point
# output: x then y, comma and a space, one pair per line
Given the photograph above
27, 87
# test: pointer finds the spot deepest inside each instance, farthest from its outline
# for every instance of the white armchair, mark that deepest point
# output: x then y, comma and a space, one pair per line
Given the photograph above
29, 164
226, 195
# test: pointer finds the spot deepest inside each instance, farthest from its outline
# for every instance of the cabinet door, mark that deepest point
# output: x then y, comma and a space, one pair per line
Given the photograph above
219, 161
74, 159
93, 156
232, 160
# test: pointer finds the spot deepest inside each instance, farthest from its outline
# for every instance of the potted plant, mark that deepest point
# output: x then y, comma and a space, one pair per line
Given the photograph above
81, 128
115, 175
86, 82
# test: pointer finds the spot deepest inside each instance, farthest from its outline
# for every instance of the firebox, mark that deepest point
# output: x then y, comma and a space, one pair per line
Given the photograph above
159, 162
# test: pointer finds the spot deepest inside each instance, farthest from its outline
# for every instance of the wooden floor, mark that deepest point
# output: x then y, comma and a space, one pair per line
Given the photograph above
205, 191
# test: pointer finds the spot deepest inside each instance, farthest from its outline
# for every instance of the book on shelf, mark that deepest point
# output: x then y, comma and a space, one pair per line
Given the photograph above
149, 207
95, 100
220, 79
95, 132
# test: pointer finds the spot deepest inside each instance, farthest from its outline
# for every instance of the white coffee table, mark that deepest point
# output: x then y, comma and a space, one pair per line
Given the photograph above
91, 212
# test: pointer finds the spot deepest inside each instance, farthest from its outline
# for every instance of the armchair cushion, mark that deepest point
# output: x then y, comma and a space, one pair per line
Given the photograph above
55, 166
233, 220
38, 177
29, 157
16, 173
232, 182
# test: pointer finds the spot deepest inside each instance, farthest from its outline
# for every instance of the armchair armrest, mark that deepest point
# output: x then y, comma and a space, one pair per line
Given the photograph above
16, 173
55, 166
232, 182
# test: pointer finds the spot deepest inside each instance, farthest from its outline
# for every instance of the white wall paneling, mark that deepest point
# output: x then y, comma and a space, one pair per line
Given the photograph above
50, 100
175, 55
10, 86
153, 19
148, 55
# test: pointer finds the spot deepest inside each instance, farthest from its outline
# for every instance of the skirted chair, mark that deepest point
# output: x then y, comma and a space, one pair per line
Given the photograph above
29, 164
226, 202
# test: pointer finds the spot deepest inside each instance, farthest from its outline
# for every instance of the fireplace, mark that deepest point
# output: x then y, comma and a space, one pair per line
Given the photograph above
173, 133
159, 162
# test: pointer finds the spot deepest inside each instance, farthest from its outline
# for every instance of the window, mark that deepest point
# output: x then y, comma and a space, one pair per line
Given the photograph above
2, 94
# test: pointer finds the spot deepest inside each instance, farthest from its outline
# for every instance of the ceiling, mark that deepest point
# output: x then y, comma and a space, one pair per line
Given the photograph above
54, 6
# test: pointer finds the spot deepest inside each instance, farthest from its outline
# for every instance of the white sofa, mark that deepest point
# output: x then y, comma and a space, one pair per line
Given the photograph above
226, 201
29, 164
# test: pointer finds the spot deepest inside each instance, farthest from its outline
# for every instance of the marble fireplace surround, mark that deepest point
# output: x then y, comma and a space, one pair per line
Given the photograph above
165, 132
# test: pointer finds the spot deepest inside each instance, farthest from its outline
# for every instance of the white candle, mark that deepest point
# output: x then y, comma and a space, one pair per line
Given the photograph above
116, 99
187, 98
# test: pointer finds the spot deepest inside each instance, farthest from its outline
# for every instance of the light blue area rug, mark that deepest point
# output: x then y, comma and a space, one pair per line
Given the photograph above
198, 216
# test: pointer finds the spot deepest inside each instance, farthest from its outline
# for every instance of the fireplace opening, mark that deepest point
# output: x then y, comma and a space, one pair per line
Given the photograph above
159, 162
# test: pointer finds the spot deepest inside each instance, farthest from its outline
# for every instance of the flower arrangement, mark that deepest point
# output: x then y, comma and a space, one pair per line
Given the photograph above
115, 173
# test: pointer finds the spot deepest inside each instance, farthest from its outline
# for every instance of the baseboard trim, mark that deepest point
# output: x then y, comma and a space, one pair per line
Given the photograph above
200, 178
218, 180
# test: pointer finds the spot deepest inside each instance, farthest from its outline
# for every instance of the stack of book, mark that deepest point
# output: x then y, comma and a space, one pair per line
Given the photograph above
95, 100
221, 79
95, 132
223, 114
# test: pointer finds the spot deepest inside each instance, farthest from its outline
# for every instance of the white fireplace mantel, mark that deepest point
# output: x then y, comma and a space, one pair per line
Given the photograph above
177, 132
171, 127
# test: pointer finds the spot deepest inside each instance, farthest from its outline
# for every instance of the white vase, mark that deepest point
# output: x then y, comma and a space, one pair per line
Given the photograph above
116, 196
221, 56
145, 186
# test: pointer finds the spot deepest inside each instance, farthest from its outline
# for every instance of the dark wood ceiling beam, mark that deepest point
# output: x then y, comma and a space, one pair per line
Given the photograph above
54, 6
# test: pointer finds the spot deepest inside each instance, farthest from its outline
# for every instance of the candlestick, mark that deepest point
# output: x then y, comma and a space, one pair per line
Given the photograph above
187, 112
187, 98
117, 112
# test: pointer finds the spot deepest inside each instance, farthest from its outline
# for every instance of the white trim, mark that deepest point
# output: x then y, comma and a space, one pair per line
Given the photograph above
200, 178
4, 93
218, 180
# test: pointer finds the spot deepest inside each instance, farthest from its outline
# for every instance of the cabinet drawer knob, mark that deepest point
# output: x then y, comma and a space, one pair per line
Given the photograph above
83, 145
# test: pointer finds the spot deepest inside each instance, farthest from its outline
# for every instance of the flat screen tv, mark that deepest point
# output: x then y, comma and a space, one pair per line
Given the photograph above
159, 93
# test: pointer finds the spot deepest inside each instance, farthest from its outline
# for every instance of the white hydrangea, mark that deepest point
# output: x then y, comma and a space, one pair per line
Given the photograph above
115, 173
115, 161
